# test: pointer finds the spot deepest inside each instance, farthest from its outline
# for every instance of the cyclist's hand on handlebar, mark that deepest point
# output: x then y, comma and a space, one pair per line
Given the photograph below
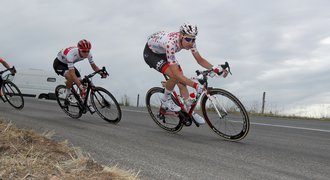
13, 70
224, 73
221, 70
104, 74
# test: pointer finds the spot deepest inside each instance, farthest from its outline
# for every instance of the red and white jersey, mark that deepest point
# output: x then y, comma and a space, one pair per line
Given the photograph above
167, 43
71, 55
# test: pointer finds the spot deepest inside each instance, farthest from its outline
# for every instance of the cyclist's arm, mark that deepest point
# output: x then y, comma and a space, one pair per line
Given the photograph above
201, 61
179, 75
4, 63
95, 67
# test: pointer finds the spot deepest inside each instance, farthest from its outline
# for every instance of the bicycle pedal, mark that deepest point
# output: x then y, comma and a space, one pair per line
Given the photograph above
187, 123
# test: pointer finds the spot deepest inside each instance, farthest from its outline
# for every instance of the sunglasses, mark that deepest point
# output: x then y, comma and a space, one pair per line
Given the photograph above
188, 39
84, 51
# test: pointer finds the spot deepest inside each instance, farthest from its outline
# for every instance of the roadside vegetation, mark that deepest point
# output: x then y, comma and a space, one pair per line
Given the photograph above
25, 154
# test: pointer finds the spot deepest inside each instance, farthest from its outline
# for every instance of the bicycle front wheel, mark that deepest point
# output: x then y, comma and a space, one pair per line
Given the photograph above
13, 95
105, 105
168, 121
225, 114
69, 105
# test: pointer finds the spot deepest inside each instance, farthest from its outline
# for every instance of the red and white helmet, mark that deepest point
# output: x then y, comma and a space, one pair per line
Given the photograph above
189, 29
84, 45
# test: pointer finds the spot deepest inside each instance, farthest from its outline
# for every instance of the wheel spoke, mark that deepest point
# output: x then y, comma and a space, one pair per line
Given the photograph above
72, 107
226, 115
13, 95
166, 120
106, 105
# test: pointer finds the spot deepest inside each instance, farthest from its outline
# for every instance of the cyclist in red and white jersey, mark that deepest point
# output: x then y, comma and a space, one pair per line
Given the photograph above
65, 60
6, 65
159, 53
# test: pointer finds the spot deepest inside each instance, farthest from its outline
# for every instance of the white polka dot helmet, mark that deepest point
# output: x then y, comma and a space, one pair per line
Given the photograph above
189, 29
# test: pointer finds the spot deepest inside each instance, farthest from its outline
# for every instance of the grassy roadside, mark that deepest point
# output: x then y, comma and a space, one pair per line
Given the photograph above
25, 154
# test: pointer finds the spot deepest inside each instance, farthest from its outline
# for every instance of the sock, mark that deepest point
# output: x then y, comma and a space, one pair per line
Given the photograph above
187, 103
68, 92
167, 94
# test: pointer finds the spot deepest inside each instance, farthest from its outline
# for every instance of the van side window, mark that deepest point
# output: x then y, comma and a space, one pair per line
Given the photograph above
50, 79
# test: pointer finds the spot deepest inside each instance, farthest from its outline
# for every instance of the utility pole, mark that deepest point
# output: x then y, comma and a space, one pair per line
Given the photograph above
263, 103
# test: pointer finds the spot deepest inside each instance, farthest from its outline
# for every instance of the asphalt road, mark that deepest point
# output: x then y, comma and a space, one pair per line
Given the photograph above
274, 149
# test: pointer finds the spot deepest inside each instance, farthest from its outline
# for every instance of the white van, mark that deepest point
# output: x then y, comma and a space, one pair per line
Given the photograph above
37, 82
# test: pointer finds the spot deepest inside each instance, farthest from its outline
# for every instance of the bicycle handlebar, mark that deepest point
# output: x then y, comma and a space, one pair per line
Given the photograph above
202, 75
12, 68
207, 72
103, 70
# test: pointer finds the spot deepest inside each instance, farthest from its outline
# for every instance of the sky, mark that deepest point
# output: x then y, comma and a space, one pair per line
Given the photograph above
279, 47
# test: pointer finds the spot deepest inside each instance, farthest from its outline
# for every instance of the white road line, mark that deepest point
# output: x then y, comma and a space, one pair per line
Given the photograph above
261, 124
129, 110
291, 127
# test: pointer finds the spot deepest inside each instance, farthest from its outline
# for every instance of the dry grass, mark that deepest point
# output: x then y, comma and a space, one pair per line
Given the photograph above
25, 154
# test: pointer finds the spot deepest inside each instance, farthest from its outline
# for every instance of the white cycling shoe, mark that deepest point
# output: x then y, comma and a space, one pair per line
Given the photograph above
199, 119
169, 105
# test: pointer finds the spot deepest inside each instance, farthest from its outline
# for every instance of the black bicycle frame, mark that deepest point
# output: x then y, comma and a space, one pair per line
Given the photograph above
83, 103
3, 81
194, 104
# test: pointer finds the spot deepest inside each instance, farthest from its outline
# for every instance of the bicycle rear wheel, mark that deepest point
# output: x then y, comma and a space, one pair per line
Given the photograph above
13, 95
225, 114
105, 105
168, 121
69, 105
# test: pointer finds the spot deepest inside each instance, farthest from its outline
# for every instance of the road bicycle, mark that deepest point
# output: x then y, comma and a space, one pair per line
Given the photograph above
11, 92
97, 99
222, 111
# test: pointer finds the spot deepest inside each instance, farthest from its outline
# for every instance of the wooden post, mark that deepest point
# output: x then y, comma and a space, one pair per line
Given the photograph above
263, 103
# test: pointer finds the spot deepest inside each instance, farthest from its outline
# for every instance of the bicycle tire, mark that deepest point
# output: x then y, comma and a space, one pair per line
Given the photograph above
13, 95
105, 105
72, 109
233, 123
169, 123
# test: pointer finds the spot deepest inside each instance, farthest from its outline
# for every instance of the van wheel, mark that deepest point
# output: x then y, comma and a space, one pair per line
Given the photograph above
43, 96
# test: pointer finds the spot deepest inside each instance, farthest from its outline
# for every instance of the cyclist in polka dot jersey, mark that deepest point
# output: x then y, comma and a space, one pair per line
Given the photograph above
167, 43
159, 53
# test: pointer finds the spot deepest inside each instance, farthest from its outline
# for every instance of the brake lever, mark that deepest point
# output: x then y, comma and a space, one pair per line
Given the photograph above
225, 66
104, 71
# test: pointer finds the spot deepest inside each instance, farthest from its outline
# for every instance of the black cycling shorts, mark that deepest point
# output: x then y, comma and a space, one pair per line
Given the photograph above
156, 61
61, 67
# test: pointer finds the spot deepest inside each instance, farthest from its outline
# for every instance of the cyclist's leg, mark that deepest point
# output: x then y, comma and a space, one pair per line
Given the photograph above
62, 69
159, 63
1, 86
183, 88
69, 77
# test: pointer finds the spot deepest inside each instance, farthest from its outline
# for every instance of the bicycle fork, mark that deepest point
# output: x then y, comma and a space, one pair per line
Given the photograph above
214, 102
3, 99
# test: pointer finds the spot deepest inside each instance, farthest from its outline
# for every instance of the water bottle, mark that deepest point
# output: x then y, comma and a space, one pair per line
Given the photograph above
190, 100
